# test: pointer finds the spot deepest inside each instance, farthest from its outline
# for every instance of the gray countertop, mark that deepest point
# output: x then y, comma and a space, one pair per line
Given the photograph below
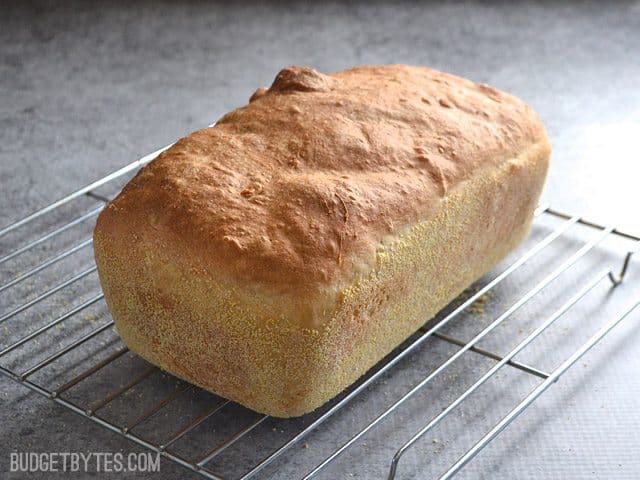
87, 87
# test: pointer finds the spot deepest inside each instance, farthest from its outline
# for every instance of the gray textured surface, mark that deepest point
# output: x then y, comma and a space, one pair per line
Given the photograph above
86, 88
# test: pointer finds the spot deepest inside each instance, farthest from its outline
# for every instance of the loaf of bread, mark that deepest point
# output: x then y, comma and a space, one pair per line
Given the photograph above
275, 257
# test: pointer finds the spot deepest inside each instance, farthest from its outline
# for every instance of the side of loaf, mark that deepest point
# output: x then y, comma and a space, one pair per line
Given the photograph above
276, 257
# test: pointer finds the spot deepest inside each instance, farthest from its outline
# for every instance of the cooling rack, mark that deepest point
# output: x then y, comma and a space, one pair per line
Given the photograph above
59, 341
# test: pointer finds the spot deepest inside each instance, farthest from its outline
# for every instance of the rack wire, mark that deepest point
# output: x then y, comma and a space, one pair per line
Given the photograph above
52, 339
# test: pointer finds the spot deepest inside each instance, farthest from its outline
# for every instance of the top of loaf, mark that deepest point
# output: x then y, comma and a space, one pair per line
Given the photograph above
298, 188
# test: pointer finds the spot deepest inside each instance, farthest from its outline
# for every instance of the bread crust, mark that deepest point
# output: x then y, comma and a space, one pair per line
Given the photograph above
275, 257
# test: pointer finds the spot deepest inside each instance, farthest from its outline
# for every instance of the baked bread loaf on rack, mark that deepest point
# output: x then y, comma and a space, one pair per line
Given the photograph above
275, 257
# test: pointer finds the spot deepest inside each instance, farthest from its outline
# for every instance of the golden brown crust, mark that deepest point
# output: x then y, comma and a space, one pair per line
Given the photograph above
295, 190
275, 257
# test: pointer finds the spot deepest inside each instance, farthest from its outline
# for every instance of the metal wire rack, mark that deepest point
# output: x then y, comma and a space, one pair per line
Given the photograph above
58, 340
